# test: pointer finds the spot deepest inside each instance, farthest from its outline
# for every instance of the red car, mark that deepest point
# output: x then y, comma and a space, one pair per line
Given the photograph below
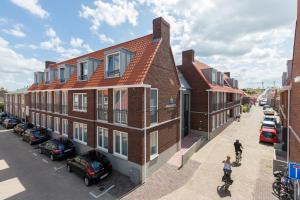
268, 135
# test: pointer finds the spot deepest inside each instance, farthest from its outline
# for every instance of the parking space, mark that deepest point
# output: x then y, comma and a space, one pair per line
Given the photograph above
27, 175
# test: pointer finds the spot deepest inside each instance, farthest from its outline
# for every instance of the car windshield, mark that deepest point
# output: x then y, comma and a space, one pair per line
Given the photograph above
36, 133
269, 119
268, 125
95, 165
268, 134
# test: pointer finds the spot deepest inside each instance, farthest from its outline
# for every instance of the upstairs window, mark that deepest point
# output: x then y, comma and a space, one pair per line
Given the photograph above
120, 106
80, 102
113, 65
47, 77
214, 77
102, 104
83, 71
62, 75
154, 105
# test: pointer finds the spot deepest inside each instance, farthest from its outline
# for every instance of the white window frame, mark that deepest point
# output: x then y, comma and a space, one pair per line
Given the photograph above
81, 127
64, 127
43, 120
121, 155
84, 103
85, 68
33, 118
121, 105
64, 101
103, 103
37, 119
155, 155
151, 106
56, 124
104, 133
106, 64
49, 122
213, 123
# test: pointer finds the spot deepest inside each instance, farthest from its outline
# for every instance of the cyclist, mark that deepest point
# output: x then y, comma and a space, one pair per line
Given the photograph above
227, 169
238, 147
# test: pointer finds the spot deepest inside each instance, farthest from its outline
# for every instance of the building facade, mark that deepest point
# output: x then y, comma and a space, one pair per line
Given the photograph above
215, 99
15, 103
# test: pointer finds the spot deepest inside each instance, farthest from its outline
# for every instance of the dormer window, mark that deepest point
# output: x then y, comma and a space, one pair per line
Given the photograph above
62, 75
83, 71
214, 77
113, 65
47, 77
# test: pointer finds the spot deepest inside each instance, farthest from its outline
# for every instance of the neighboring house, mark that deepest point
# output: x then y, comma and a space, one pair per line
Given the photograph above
122, 100
15, 103
214, 97
2, 95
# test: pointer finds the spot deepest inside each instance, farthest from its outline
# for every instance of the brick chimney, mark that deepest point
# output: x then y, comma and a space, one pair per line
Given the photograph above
188, 57
227, 73
161, 29
48, 63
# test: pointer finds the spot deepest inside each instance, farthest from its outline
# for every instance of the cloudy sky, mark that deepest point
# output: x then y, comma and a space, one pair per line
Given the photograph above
251, 38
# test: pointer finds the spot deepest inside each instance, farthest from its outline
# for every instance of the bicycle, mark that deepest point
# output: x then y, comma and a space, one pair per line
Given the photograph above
282, 186
238, 157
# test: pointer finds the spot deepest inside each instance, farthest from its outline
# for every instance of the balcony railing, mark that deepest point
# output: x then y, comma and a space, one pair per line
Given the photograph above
82, 77
64, 109
114, 73
120, 116
102, 114
49, 107
57, 108
217, 106
79, 108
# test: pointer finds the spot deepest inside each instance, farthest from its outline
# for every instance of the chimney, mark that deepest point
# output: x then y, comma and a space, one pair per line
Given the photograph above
188, 57
227, 73
161, 29
48, 63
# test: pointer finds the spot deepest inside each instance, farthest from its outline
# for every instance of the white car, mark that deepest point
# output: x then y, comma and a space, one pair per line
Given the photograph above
268, 124
269, 111
271, 118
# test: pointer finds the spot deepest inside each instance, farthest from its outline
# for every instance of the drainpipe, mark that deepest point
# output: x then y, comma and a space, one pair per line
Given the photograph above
208, 125
288, 126
145, 132
180, 115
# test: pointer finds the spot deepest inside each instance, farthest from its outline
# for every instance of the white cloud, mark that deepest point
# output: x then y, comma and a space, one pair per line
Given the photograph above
15, 31
104, 38
32, 6
115, 13
50, 32
79, 43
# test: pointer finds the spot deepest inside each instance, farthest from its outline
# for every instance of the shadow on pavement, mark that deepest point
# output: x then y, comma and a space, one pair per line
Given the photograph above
222, 192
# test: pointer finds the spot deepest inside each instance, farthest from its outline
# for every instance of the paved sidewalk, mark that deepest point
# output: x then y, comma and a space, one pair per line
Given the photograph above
252, 180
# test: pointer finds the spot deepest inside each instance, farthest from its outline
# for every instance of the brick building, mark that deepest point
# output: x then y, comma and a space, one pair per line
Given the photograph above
122, 100
215, 99
15, 103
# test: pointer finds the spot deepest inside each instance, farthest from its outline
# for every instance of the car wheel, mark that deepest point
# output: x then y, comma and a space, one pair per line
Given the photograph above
87, 181
51, 157
69, 168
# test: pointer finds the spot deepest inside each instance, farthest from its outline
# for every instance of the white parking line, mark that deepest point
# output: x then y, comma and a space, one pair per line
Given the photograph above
45, 161
7, 130
101, 194
58, 168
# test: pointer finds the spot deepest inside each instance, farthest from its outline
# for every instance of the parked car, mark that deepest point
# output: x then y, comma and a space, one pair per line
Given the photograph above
91, 166
268, 135
269, 125
22, 127
271, 118
3, 116
266, 107
263, 102
36, 135
57, 148
10, 122
269, 111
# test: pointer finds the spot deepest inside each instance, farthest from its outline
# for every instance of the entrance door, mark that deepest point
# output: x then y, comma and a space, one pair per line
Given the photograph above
186, 113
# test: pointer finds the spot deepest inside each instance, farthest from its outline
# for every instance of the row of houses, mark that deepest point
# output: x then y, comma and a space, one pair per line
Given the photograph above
289, 106
130, 101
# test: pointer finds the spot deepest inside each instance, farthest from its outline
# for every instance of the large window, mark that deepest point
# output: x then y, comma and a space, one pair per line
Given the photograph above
37, 119
102, 138
43, 100
113, 65
213, 122
49, 122
33, 118
154, 105
153, 145
120, 106
49, 101
57, 101
64, 127
56, 124
43, 120
80, 102
37, 100
83, 71
102, 104
121, 144
64, 102
80, 132
62, 75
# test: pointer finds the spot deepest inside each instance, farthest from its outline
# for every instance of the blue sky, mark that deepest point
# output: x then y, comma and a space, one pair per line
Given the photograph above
238, 36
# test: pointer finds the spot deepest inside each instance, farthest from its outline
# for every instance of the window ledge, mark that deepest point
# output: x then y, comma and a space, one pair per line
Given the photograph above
120, 156
154, 156
79, 110
102, 149
80, 142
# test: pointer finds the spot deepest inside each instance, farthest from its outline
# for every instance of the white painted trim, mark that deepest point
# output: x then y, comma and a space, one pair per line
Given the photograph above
156, 154
106, 64
159, 124
281, 111
114, 147
295, 134
156, 104
77, 110
98, 146
77, 140
145, 135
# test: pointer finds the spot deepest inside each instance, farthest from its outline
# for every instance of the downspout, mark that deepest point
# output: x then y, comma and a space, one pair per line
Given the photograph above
288, 126
208, 108
145, 133
180, 115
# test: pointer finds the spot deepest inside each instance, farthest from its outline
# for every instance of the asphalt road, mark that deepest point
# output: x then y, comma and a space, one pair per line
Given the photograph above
27, 175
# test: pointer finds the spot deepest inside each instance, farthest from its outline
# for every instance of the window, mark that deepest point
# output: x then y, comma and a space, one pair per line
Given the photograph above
49, 101
120, 106
80, 132
64, 100
102, 104
57, 101
37, 102
80, 102
49, 122
37, 119
121, 144
218, 120
113, 65
56, 124
47, 77
33, 118
64, 127
83, 71
154, 105
43, 100
213, 123
43, 120
62, 75
102, 138
214, 77
153, 145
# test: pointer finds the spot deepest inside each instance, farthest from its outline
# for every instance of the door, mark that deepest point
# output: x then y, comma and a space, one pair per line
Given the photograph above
186, 113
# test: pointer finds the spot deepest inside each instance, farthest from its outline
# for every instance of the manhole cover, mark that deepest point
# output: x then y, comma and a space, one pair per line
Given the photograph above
101, 188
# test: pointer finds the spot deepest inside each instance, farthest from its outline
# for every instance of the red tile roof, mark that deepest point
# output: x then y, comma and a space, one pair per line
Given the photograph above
144, 49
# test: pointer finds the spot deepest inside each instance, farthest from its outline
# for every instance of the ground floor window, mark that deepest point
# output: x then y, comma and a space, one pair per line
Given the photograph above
222, 118
49, 122
56, 124
213, 122
121, 144
80, 132
43, 120
64, 127
153, 145
102, 138
37, 119
33, 118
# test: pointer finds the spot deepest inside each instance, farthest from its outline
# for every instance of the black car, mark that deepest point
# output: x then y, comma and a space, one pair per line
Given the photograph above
10, 122
3, 116
36, 135
22, 127
57, 148
91, 166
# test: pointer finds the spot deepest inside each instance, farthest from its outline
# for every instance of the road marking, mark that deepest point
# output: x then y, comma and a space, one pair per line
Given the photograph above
58, 168
34, 154
101, 194
45, 161
2, 131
